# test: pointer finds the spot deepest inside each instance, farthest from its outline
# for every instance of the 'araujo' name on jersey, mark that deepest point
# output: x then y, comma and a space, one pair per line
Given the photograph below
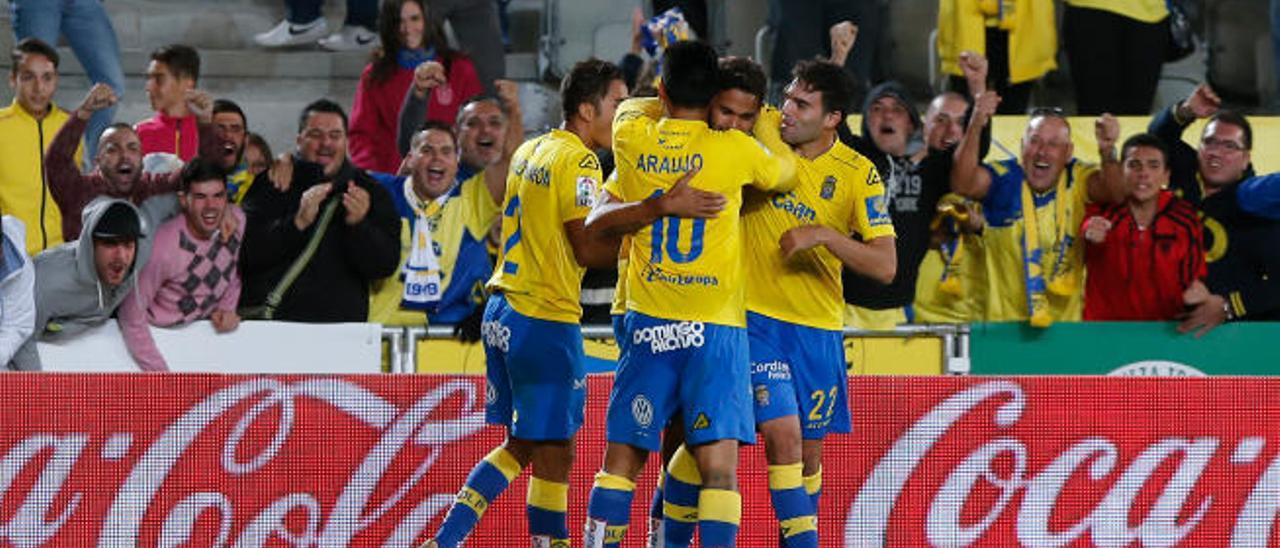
690, 269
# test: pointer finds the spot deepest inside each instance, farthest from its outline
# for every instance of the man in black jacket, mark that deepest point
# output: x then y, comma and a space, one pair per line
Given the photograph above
1239, 239
289, 272
915, 180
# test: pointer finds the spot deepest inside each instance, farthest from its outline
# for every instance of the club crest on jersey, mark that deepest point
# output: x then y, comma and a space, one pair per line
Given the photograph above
828, 187
762, 395
586, 191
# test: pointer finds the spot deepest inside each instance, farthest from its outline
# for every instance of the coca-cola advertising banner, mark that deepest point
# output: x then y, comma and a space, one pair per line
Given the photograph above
211, 460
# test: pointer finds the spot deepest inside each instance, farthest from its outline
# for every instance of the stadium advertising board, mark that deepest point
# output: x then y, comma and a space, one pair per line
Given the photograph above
1123, 348
208, 460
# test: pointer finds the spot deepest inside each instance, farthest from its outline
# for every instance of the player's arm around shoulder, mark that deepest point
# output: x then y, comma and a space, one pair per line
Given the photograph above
611, 216
774, 161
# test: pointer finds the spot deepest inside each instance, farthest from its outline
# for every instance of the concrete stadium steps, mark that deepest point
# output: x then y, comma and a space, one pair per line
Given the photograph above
271, 85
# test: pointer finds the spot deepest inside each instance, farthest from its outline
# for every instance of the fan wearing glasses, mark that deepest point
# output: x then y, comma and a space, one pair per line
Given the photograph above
1239, 209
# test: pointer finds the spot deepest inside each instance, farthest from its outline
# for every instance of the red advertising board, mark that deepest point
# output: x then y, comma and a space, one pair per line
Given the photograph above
208, 460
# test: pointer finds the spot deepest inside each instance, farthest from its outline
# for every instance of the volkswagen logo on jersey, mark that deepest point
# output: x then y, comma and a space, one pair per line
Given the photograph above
642, 411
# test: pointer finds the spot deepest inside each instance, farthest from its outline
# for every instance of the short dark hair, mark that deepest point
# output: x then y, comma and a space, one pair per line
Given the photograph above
32, 46
836, 86
434, 125
226, 105
199, 170
743, 74
1228, 116
586, 83
321, 105
690, 74
183, 60
121, 126
1145, 140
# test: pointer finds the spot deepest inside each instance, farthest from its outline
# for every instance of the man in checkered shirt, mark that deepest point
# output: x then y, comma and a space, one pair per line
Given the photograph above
192, 273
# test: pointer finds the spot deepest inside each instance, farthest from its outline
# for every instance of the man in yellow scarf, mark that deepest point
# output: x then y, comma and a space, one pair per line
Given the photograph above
1033, 207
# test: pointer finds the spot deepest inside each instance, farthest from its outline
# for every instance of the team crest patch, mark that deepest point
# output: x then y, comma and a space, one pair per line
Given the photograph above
586, 191
702, 422
762, 395
642, 411
829, 187
878, 211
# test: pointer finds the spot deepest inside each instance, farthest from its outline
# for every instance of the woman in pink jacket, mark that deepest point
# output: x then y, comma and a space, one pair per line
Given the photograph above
409, 40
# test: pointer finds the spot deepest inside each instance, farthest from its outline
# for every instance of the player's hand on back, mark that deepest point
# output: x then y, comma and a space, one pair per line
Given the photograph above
685, 201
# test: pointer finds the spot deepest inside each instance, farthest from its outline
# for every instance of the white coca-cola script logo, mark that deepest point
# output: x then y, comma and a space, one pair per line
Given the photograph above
355, 509
1108, 525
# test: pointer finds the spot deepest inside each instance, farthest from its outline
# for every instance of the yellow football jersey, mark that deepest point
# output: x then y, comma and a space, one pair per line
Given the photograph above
1002, 242
839, 189
553, 180
686, 269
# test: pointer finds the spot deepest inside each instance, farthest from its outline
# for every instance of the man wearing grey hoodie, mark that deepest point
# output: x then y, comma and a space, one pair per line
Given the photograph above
80, 283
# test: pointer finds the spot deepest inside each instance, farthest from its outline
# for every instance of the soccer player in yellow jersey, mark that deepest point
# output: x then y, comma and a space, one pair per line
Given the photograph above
1034, 205
533, 343
685, 324
796, 243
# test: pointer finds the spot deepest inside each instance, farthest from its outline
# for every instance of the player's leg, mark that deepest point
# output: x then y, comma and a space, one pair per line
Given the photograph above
642, 399
773, 348
685, 494
551, 394
822, 384
715, 395
494, 473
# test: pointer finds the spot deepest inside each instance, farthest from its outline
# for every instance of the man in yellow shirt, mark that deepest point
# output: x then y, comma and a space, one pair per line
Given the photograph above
27, 128
533, 343
1033, 206
686, 347
795, 312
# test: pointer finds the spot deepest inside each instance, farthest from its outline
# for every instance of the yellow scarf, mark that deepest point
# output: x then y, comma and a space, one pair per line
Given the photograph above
1064, 277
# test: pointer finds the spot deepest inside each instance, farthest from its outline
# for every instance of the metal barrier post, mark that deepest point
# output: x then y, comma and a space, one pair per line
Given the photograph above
412, 335
395, 339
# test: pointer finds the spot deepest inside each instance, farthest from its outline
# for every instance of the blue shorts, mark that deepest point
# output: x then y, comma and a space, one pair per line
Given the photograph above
537, 384
619, 331
693, 368
799, 370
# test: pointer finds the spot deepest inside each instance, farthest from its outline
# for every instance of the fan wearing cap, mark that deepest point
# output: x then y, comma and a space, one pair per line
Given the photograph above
80, 283
915, 179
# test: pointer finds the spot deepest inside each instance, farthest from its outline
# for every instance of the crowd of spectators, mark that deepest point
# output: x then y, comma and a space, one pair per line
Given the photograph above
389, 216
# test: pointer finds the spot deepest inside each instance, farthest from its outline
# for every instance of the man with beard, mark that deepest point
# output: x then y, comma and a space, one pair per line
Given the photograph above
118, 166
80, 283
230, 132
1034, 207
1244, 269
914, 183
312, 250
192, 273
